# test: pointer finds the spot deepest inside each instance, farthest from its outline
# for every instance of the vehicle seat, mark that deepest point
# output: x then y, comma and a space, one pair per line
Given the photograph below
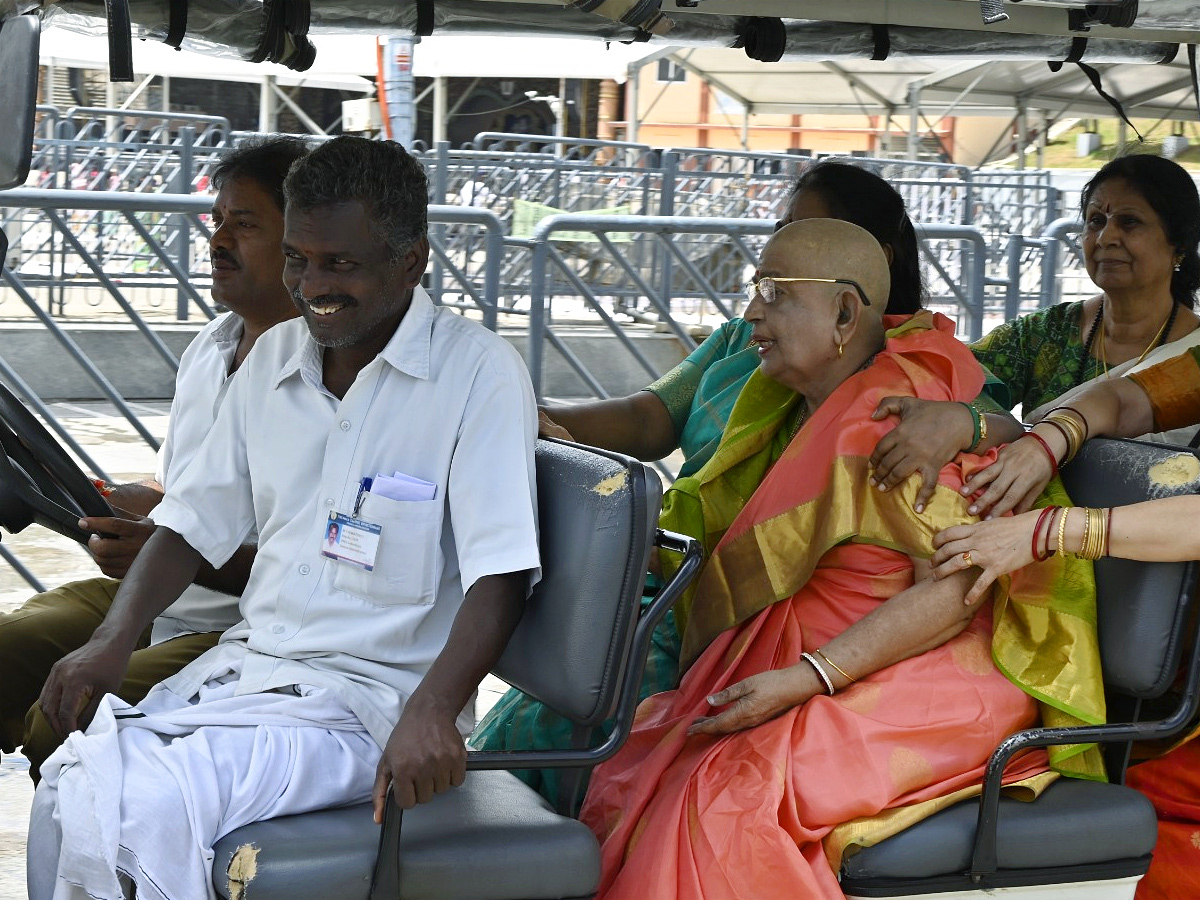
580, 648
1079, 838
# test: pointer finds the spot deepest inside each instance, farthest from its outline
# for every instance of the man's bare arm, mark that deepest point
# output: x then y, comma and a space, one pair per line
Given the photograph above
138, 497
159, 574
425, 753
231, 578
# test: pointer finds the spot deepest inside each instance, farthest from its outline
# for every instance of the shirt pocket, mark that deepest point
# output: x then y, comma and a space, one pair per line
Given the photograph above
408, 562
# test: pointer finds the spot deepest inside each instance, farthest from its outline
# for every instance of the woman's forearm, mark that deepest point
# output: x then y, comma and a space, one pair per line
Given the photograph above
1115, 408
638, 425
914, 621
1155, 530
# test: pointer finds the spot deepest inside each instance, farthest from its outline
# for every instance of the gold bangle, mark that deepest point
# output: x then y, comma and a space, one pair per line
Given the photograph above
982, 431
1094, 535
839, 669
1062, 531
1075, 432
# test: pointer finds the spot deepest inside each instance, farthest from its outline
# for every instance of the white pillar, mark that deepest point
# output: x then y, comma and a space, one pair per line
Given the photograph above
914, 120
631, 102
1022, 131
439, 110
1043, 126
266, 105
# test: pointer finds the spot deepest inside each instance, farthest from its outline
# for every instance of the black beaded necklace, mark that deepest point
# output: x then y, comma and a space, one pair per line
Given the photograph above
1091, 335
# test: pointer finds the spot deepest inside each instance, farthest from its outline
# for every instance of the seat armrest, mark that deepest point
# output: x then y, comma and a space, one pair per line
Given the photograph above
984, 857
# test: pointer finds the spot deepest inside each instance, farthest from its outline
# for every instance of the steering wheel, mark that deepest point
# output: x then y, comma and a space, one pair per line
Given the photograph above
39, 481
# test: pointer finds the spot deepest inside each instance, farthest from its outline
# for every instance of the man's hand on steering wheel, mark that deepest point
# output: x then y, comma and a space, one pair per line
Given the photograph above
116, 541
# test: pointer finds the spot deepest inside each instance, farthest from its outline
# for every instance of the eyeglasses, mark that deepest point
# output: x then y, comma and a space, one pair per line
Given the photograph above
765, 287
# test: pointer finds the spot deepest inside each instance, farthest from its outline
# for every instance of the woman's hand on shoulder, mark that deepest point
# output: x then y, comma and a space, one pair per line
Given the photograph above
928, 435
757, 699
1013, 482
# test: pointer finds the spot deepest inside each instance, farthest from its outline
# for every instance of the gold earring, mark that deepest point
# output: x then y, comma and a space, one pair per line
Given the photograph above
841, 350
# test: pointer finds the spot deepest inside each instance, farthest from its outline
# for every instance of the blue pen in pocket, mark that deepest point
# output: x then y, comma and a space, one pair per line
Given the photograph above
364, 487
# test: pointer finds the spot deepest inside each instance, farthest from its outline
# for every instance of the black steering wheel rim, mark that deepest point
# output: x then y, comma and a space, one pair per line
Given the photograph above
39, 481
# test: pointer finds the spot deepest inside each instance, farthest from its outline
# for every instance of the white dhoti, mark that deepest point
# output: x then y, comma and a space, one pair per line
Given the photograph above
145, 793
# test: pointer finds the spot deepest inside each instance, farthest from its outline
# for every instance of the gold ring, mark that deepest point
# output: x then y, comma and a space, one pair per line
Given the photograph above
967, 558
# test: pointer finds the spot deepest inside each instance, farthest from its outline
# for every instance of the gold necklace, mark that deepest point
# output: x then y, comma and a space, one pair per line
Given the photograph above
800, 420
1150, 346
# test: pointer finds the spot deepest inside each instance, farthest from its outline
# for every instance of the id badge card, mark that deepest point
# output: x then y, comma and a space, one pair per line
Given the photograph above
351, 540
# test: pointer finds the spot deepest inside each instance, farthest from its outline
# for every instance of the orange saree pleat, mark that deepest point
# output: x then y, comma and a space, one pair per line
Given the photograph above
1172, 782
742, 816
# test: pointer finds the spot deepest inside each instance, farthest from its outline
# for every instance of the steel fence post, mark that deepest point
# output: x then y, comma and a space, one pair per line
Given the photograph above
1012, 300
537, 311
183, 229
441, 180
669, 169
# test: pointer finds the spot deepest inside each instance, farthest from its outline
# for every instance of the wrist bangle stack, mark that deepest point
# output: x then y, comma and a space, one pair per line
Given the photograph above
1074, 428
1047, 515
1095, 535
982, 430
840, 670
812, 660
978, 426
1050, 453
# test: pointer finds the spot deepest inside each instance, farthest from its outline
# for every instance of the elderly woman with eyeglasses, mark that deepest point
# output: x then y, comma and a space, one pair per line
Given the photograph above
687, 409
826, 678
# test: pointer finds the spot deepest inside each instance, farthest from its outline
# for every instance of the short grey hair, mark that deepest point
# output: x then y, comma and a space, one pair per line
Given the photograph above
381, 175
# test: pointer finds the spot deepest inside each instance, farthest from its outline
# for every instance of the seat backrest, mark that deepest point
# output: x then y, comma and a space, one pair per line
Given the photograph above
1142, 607
597, 514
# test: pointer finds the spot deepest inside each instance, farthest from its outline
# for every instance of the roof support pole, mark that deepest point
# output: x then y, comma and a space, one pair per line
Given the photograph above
746, 127
439, 109
166, 93
560, 117
266, 105
1022, 131
1043, 124
914, 120
1122, 135
631, 101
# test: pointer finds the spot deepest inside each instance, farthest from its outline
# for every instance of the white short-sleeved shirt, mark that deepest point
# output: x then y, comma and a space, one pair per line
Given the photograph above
200, 387
447, 402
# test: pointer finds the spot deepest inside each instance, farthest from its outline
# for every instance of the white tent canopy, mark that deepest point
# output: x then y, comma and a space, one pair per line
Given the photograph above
944, 87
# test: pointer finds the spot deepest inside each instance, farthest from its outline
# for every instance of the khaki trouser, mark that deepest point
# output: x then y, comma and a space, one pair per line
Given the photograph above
48, 627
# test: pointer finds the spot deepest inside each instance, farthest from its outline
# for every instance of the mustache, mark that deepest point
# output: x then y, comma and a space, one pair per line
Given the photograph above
343, 299
221, 256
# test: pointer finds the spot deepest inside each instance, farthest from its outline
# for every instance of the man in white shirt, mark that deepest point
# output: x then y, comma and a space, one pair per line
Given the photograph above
375, 403
247, 221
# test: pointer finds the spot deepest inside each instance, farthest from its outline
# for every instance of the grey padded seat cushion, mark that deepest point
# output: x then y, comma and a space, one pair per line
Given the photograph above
1051, 832
1136, 601
493, 838
596, 520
